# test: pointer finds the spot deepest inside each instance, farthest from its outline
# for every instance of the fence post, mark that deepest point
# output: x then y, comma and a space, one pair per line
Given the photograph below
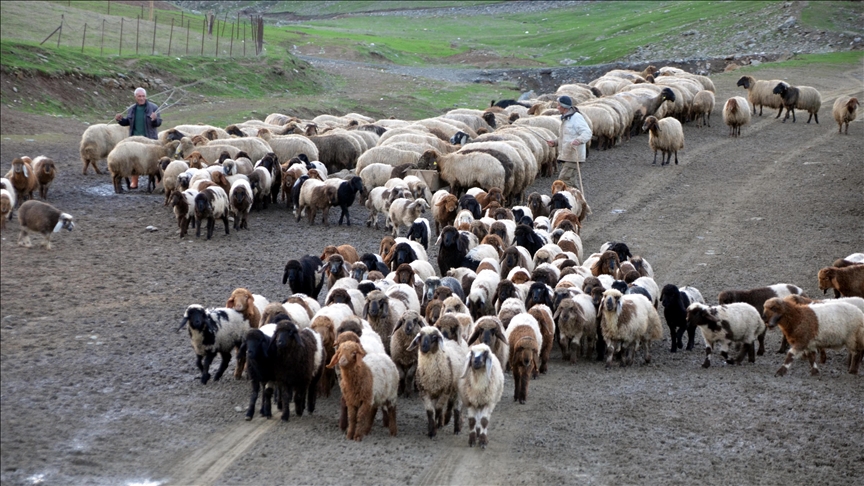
260, 34
224, 21
137, 30
102, 42
120, 53
217, 37
188, 24
109, 9
171, 36
244, 38
231, 47
203, 30
154, 35
181, 18
83, 37
51, 34
61, 30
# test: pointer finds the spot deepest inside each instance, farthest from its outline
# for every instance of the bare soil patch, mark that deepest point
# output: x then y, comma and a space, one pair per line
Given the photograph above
98, 388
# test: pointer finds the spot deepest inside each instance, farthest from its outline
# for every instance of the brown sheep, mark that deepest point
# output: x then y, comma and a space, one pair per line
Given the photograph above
433, 310
23, 179
845, 110
607, 264
43, 218
243, 302
335, 268
347, 251
495, 194
387, 244
45, 170
271, 310
547, 329
196, 160
325, 328
524, 355
7, 202
496, 242
444, 211
315, 195
848, 281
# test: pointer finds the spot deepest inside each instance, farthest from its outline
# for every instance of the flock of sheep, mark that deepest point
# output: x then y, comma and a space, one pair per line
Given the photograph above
512, 278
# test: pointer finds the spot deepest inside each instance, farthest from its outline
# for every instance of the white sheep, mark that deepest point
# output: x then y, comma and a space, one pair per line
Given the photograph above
628, 321
98, 141
813, 327
211, 203
287, 147
7, 201
131, 158
703, 105
385, 155
726, 324
43, 218
666, 136
480, 389
214, 331
845, 110
736, 113
439, 363
481, 298
403, 212
375, 175
240, 201
463, 171
169, 176
761, 93
576, 319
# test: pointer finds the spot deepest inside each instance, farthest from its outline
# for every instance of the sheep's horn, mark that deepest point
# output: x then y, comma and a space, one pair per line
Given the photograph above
182, 324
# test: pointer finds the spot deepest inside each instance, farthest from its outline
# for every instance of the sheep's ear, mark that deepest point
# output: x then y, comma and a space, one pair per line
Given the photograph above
366, 310
398, 325
557, 313
467, 364
250, 301
488, 365
474, 336
182, 324
230, 303
620, 305
462, 243
414, 343
500, 335
333, 362
385, 309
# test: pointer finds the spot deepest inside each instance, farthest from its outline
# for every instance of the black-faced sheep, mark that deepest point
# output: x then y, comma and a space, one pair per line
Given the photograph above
577, 327
665, 136
439, 363
303, 275
300, 357
525, 340
760, 93
42, 218
528, 238
23, 179
260, 366
801, 97
346, 192
383, 313
368, 381
628, 321
420, 232
727, 324
675, 302
736, 113
809, 328
211, 203
847, 281
480, 388
45, 171
845, 110
489, 330
214, 331
406, 330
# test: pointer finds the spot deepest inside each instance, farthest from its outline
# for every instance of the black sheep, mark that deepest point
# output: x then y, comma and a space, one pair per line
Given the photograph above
559, 201
271, 163
675, 305
470, 203
538, 293
402, 254
506, 103
620, 286
525, 237
505, 290
789, 95
419, 231
303, 276
260, 366
345, 195
621, 249
452, 250
373, 263
300, 363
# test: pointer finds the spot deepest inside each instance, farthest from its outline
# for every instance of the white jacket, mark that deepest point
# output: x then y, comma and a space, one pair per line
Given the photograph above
573, 127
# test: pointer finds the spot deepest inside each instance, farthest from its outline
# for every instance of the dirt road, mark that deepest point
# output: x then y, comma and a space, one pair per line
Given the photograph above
98, 388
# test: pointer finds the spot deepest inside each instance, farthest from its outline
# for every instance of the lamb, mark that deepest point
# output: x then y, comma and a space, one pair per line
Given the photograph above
628, 321
303, 275
444, 209
137, 158
214, 331
98, 141
383, 312
170, 175
736, 113
525, 340
675, 302
7, 204
757, 297
403, 212
242, 301
847, 281
315, 195
368, 381
703, 105
666, 136
761, 93
801, 97
43, 218
346, 191
725, 324
577, 326
439, 363
809, 328
845, 110
480, 388
489, 330
23, 179
406, 330
300, 357
481, 300
45, 171
183, 205
260, 366
240, 201
211, 203
420, 231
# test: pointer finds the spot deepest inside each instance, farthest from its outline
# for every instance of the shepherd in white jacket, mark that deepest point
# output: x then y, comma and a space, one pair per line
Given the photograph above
572, 139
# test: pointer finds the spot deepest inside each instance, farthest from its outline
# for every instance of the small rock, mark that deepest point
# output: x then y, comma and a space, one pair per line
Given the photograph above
755, 62
14, 89
152, 229
788, 23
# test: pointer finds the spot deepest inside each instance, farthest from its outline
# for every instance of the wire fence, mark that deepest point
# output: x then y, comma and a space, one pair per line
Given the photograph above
174, 34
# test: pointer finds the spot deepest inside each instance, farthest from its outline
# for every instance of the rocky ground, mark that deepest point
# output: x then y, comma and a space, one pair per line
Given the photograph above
98, 388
